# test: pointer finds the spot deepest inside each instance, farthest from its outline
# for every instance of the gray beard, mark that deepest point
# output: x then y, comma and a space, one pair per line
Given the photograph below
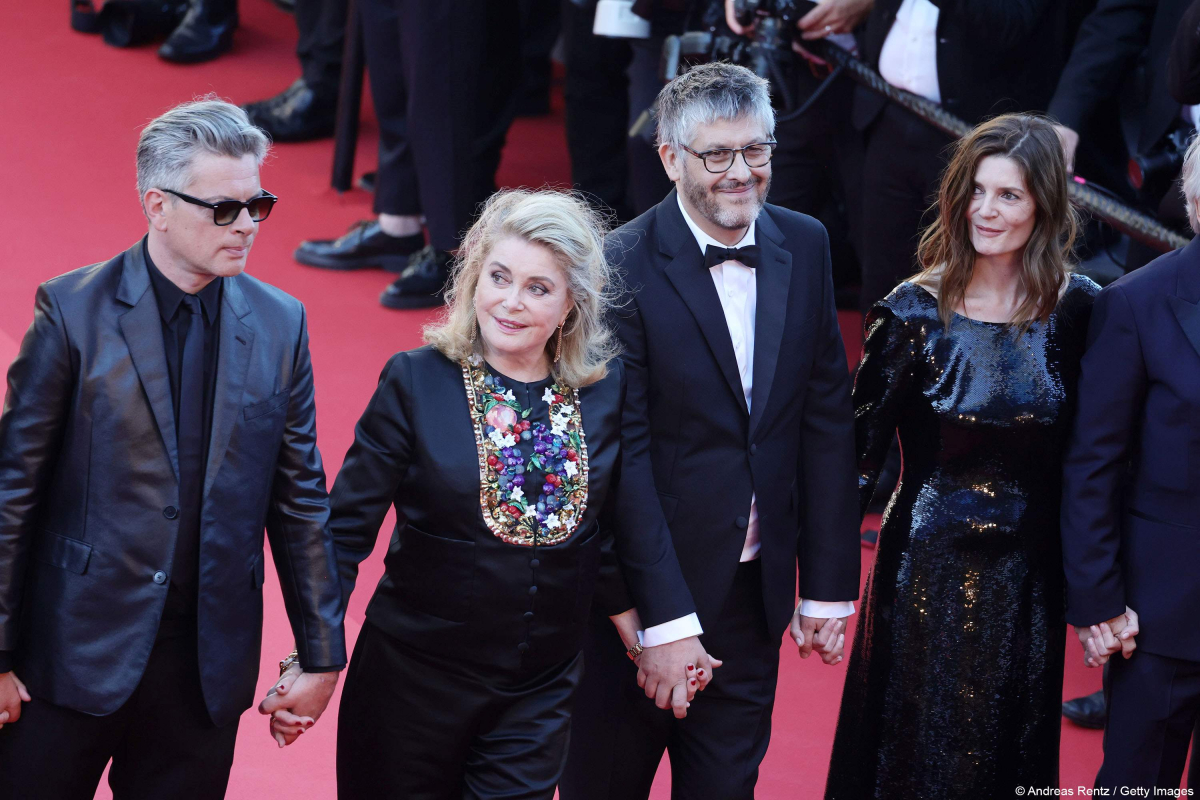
705, 201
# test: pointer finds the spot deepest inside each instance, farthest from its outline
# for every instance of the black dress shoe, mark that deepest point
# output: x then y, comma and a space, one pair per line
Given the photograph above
362, 247
84, 17
422, 284
205, 33
1088, 711
297, 114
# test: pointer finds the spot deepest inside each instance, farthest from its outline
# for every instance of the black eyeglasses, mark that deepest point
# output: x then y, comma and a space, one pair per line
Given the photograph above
720, 160
226, 212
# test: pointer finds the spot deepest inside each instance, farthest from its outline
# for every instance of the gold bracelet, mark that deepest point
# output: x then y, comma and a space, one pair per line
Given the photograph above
291, 659
635, 651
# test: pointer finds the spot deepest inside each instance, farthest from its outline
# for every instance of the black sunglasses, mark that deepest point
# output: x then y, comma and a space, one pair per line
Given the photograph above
227, 211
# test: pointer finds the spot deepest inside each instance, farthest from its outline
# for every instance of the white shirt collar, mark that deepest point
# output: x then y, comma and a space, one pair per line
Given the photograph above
703, 239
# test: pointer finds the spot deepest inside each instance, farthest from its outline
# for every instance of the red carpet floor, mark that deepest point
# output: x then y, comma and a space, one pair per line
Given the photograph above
72, 108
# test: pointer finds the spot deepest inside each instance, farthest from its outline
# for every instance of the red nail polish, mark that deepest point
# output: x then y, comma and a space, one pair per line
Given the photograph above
690, 667
693, 681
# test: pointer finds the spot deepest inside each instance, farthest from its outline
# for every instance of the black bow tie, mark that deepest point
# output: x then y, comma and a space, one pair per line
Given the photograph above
748, 256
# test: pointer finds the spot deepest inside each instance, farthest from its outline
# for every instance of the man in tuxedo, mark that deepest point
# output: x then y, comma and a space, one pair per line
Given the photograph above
738, 375
1131, 544
976, 59
159, 415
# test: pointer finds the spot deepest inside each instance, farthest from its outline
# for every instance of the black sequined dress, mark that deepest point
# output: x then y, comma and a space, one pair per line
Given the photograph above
954, 683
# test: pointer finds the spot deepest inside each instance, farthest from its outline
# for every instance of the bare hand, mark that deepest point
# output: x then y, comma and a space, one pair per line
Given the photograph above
12, 694
1070, 143
1104, 640
834, 16
296, 702
672, 673
828, 635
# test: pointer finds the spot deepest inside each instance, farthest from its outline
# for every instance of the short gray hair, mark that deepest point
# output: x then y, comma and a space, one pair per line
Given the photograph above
208, 124
1190, 182
707, 92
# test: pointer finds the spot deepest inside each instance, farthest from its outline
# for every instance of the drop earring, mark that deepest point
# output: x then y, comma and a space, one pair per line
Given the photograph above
558, 346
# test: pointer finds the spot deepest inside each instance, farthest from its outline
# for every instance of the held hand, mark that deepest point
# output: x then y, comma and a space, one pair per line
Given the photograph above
1070, 142
1102, 641
12, 694
627, 623
834, 16
296, 702
672, 673
826, 634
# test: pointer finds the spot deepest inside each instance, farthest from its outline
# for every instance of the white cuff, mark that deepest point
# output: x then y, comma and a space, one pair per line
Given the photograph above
671, 631
825, 609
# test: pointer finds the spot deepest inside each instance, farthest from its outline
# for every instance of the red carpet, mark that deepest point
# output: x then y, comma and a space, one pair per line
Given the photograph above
72, 111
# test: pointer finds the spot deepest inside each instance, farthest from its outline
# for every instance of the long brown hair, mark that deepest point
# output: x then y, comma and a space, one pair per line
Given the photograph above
945, 252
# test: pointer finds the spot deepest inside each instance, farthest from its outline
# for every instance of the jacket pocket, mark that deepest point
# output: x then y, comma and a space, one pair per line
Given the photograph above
272, 403
435, 575
64, 552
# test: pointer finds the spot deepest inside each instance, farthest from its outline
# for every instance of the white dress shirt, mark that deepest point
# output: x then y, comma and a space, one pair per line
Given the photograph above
737, 286
909, 56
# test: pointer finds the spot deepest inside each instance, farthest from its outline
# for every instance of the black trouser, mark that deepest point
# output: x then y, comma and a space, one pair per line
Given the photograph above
817, 170
1153, 708
903, 162
322, 25
609, 83
161, 742
618, 735
442, 80
422, 727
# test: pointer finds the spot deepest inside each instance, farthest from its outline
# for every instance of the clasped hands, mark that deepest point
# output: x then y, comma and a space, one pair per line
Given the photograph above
296, 702
1101, 642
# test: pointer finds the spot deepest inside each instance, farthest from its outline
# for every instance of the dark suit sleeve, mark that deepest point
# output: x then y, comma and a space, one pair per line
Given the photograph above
40, 382
644, 546
1112, 389
1006, 23
828, 545
298, 527
1183, 63
881, 387
372, 471
1110, 39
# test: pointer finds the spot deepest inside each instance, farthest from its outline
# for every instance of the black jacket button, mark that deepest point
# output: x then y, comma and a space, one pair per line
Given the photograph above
741, 522
160, 577
535, 563
170, 512
753, 449
523, 646
533, 590
528, 615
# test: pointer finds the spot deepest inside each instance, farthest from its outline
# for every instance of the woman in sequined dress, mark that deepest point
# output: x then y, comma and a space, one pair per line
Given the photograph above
954, 683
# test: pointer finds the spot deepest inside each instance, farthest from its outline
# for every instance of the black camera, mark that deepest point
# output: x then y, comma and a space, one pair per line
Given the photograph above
767, 50
1153, 172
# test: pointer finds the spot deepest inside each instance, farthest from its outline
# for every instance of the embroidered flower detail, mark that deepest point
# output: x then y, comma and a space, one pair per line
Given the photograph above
501, 417
553, 522
475, 359
547, 396
518, 496
570, 468
510, 397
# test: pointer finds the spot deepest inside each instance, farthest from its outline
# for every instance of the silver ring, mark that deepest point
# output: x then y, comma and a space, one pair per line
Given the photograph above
828, 29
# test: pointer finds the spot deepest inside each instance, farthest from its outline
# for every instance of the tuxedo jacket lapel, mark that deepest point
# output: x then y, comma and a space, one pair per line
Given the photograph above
142, 328
773, 279
233, 362
694, 284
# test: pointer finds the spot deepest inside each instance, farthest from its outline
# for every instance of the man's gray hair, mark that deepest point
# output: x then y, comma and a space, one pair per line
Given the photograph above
1190, 183
709, 92
169, 143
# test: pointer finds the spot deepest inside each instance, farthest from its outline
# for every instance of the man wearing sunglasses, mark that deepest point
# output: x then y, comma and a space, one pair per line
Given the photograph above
159, 415
735, 363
